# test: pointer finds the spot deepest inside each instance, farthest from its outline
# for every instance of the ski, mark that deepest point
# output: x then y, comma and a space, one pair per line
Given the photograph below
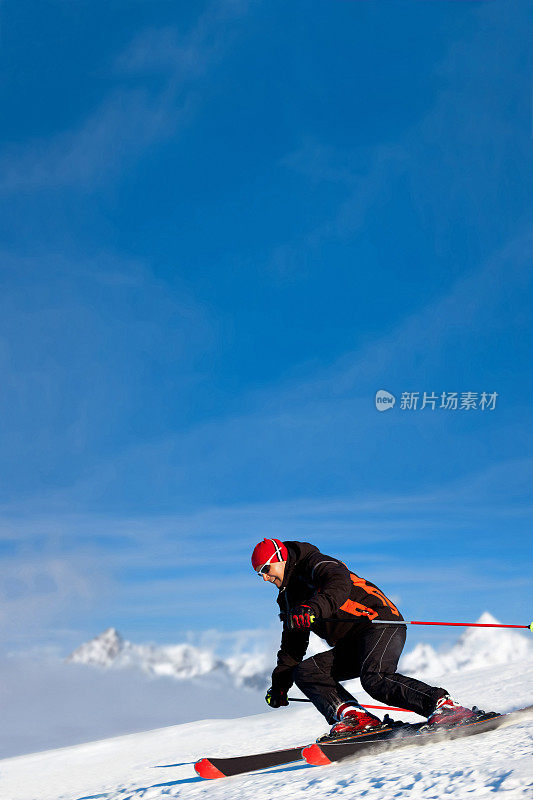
225, 767
212, 768
403, 734
397, 734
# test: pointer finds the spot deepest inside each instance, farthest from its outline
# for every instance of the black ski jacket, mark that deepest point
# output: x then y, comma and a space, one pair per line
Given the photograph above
326, 585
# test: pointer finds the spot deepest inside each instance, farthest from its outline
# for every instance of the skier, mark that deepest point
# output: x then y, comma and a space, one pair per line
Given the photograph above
314, 587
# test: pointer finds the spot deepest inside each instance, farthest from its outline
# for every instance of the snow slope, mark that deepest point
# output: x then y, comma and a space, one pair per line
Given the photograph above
158, 765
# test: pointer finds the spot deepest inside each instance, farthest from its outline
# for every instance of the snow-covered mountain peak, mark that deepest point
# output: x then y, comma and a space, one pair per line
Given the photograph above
101, 651
487, 619
180, 661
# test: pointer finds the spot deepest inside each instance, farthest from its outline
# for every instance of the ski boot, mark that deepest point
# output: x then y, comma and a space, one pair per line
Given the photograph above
354, 720
449, 712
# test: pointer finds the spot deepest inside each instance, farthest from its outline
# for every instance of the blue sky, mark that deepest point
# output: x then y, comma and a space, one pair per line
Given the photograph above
224, 227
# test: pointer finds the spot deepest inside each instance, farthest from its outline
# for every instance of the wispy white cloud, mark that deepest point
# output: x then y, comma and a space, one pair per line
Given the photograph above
119, 130
230, 528
322, 162
185, 55
64, 567
40, 591
105, 317
450, 178
485, 300
128, 121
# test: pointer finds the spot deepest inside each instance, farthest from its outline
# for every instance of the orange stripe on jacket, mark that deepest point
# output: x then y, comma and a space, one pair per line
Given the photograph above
358, 610
362, 584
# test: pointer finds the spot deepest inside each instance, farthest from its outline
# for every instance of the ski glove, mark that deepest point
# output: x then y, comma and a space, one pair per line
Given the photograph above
301, 616
276, 697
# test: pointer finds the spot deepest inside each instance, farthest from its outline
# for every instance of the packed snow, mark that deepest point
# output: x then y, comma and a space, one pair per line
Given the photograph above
158, 764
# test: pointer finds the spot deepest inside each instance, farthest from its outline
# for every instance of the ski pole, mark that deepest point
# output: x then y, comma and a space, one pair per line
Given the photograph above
383, 708
454, 624
419, 622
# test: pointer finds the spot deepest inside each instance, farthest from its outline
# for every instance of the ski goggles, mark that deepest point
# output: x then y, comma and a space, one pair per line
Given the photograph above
265, 568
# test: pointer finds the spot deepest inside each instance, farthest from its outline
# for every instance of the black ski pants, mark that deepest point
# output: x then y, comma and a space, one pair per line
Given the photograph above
373, 657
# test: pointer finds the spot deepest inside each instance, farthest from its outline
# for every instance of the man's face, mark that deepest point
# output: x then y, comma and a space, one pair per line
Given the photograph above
275, 573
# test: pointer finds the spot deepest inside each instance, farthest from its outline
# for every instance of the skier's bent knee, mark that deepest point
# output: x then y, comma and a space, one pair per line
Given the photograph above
371, 680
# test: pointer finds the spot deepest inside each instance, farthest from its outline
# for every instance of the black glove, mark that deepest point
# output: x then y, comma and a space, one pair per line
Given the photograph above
301, 616
276, 697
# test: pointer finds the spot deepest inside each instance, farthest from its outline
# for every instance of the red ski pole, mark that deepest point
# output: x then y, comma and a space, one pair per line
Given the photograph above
454, 624
419, 622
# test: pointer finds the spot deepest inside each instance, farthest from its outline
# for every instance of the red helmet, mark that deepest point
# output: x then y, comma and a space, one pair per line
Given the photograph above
267, 551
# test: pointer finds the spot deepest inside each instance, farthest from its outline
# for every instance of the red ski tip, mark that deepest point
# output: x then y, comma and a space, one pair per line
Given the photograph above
205, 769
315, 755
